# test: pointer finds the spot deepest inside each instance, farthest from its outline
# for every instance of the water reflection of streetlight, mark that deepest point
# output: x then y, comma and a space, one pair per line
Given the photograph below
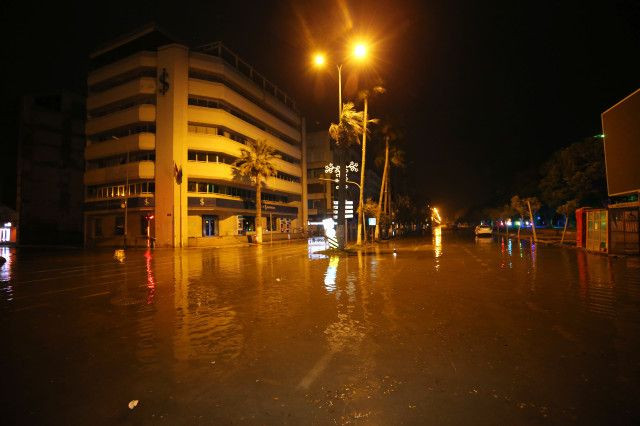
151, 281
5, 273
437, 241
330, 275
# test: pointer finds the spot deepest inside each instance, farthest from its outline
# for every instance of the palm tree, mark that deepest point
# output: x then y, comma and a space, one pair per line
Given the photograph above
396, 159
345, 134
365, 96
256, 163
389, 135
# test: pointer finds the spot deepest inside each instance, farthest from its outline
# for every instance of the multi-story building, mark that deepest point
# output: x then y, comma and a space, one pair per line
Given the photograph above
319, 192
49, 169
165, 123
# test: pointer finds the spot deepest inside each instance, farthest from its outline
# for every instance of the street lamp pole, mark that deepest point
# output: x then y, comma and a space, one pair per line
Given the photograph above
341, 228
362, 169
339, 93
319, 59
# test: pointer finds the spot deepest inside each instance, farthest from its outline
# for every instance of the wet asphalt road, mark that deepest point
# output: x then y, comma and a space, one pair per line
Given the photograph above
448, 330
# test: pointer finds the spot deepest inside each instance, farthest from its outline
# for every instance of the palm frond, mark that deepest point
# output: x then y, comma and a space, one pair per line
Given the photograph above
256, 161
346, 132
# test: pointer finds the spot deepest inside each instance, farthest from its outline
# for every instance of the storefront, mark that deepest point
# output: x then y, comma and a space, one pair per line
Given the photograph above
7, 233
613, 230
105, 222
624, 231
219, 220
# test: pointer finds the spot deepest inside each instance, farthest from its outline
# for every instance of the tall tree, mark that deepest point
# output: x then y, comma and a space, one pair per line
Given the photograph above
396, 159
520, 207
345, 134
256, 163
389, 135
575, 173
533, 204
566, 209
365, 120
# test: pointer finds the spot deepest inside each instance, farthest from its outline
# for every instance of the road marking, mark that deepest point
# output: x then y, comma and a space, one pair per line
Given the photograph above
26, 308
95, 295
315, 371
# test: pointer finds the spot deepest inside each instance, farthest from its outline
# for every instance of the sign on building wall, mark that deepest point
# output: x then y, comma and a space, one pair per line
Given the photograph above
621, 128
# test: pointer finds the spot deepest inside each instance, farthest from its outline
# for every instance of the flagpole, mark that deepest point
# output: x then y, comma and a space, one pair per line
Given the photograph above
177, 173
180, 192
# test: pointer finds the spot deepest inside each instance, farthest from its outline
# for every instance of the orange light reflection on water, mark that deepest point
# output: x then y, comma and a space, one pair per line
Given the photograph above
151, 281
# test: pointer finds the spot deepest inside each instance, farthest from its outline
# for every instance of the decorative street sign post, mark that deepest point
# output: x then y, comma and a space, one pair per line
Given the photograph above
342, 208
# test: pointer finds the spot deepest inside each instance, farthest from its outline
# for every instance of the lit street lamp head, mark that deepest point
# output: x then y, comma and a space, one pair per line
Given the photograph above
319, 59
360, 51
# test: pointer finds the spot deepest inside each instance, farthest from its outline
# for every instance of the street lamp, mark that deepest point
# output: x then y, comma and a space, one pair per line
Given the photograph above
319, 60
125, 194
360, 50
359, 53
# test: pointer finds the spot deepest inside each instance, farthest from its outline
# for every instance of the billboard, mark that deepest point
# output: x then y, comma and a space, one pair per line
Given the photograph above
621, 128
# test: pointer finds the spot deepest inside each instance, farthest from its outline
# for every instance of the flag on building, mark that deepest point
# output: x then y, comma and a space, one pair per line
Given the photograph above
177, 173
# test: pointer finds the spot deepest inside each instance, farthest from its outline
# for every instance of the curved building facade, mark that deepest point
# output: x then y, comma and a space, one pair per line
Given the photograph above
165, 123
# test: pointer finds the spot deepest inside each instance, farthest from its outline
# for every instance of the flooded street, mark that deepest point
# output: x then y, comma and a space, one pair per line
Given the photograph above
439, 330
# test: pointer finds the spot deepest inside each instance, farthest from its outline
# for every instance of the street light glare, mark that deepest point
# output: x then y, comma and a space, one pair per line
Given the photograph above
319, 59
360, 50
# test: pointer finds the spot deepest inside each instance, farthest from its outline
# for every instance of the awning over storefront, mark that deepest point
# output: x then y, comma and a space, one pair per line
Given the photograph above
222, 203
116, 203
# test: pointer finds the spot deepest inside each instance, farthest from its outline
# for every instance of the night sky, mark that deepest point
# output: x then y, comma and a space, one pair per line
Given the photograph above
482, 90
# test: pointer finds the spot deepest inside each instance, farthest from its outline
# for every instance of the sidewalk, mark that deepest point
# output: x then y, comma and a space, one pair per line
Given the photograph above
545, 236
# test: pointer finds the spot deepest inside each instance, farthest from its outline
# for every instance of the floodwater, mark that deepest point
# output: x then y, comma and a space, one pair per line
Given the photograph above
440, 330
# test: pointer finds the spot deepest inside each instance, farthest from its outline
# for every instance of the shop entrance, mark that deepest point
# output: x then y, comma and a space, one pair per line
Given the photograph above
246, 224
209, 226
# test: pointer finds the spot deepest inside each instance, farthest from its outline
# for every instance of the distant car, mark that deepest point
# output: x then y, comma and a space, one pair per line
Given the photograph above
483, 231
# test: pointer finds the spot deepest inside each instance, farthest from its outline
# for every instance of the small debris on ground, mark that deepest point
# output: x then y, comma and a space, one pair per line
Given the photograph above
133, 404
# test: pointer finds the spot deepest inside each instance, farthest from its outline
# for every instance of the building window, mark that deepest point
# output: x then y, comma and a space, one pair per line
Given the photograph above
210, 188
209, 225
124, 132
315, 188
112, 191
143, 225
219, 104
272, 223
119, 227
246, 224
97, 227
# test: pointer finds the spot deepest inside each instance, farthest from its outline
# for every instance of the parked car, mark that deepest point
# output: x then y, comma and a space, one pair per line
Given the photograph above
483, 231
